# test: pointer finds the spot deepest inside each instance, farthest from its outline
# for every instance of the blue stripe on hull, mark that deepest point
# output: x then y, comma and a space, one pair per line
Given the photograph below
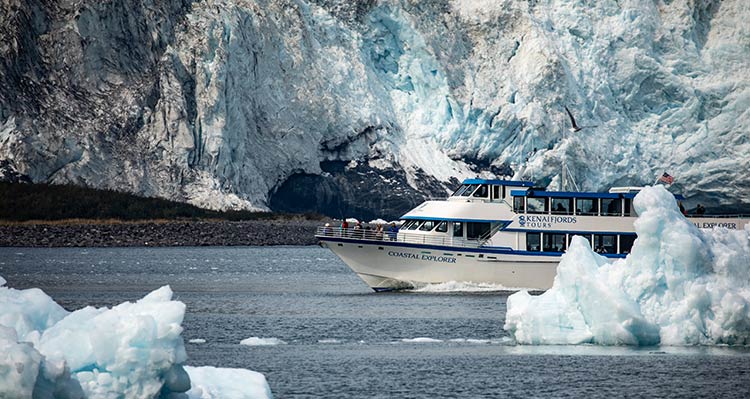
486, 250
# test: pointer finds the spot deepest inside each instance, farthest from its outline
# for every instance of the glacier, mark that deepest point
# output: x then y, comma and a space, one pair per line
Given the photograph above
365, 108
132, 350
680, 285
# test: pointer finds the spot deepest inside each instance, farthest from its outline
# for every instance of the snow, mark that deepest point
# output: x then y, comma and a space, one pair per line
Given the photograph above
257, 341
680, 285
132, 350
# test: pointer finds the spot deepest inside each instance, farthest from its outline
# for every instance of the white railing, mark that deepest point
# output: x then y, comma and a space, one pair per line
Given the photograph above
399, 236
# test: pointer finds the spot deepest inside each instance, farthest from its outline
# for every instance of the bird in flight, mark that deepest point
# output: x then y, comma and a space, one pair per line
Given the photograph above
575, 127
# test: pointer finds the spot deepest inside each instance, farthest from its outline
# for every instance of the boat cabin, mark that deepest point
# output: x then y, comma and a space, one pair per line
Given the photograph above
487, 190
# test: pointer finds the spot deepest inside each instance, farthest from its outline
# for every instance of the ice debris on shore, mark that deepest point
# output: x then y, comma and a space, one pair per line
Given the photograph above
132, 350
679, 286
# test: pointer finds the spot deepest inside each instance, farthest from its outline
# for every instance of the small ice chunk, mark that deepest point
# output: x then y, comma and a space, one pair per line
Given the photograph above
257, 341
421, 340
227, 383
197, 341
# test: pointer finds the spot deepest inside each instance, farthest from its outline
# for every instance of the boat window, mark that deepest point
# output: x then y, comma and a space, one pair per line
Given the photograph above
461, 190
533, 241
626, 203
605, 243
469, 190
477, 230
626, 243
536, 205
458, 229
586, 206
482, 191
442, 227
518, 205
427, 225
414, 225
554, 242
496, 193
405, 225
562, 206
611, 206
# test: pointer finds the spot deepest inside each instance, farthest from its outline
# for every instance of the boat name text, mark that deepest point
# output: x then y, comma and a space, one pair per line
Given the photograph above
433, 258
708, 225
544, 221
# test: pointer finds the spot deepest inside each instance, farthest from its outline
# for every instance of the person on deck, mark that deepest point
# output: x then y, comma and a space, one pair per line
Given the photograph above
392, 231
379, 232
344, 228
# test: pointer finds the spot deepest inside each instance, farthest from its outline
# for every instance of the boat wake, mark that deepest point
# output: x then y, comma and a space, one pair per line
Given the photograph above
456, 286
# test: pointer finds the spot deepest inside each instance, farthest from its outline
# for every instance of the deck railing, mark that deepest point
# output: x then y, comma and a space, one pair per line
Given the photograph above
400, 236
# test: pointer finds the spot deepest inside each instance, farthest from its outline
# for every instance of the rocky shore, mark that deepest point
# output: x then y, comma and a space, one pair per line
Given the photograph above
159, 233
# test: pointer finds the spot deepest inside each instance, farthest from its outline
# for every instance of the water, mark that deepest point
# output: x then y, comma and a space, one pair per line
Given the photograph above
345, 341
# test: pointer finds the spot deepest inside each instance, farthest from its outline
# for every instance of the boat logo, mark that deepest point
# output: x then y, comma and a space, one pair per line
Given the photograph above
544, 221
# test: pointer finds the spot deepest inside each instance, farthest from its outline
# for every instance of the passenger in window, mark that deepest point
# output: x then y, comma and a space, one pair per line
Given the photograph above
560, 208
700, 210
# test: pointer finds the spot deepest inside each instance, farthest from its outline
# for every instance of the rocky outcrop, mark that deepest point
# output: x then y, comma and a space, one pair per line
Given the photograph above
160, 234
245, 103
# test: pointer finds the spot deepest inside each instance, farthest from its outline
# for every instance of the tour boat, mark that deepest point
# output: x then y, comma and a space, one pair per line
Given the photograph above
502, 232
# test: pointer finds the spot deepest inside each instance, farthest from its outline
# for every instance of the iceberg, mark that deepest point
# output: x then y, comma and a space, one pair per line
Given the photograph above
680, 285
258, 341
132, 350
226, 383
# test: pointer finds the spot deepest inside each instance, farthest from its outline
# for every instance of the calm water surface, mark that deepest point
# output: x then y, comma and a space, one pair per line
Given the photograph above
345, 341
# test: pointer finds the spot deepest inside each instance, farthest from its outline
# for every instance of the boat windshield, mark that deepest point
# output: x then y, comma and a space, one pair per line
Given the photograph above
469, 189
414, 225
482, 191
461, 190
427, 225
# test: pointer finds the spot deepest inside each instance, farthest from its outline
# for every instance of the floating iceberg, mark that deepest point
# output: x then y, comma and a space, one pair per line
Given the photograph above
258, 341
226, 383
133, 350
679, 286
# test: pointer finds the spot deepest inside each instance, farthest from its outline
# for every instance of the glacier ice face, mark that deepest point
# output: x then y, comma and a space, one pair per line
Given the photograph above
133, 350
220, 103
679, 286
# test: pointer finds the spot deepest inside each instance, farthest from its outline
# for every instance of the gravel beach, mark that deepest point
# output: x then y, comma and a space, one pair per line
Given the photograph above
159, 233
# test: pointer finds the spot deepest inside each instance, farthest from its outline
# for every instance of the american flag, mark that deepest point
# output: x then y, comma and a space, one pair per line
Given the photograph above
666, 178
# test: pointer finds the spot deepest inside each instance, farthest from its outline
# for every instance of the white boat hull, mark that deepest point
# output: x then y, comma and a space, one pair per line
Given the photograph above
389, 265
